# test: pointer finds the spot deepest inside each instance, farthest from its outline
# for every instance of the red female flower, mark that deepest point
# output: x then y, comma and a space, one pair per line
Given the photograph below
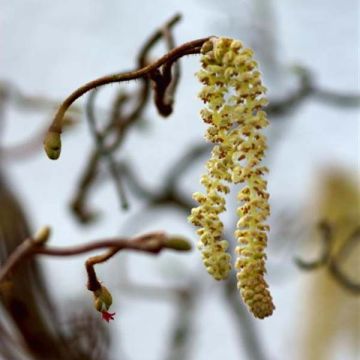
107, 316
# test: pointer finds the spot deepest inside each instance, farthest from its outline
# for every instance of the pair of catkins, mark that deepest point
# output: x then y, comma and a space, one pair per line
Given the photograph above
233, 95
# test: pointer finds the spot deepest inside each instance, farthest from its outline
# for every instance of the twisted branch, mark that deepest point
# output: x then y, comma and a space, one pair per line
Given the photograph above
52, 142
151, 243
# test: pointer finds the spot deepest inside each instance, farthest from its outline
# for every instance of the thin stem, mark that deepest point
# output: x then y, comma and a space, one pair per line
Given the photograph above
103, 151
93, 282
163, 81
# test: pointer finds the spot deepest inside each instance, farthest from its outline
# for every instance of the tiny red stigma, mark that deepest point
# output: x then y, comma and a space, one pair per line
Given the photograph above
107, 316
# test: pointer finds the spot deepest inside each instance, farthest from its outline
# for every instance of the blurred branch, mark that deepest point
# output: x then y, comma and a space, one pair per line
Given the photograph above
120, 122
11, 94
337, 99
103, 151
26, 299
181, 332
333, 260
326, 236
279, 108
165, 85
308, 88
244, 324
334, 265
168, 194
9, 347
184, 298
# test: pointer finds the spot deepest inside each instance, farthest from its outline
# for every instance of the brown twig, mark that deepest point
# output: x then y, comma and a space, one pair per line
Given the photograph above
164, 84
156, 239
151, 243
167, 69
52, 141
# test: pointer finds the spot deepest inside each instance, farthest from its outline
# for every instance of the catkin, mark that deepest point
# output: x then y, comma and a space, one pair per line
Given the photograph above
234, 97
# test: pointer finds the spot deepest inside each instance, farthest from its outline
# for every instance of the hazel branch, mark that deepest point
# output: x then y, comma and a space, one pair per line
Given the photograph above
150, 243
52, 141
23, 250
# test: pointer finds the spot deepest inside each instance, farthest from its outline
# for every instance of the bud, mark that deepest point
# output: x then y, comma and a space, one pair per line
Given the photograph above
52, 144
177, 243
42, 235
102, 299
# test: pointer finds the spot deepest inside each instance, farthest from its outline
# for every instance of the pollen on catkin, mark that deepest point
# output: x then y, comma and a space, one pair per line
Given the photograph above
234, 97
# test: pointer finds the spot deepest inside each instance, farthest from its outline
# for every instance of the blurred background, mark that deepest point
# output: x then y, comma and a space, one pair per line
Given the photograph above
167, 307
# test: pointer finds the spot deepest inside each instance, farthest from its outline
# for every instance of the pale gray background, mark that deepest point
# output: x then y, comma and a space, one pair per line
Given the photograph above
51, 47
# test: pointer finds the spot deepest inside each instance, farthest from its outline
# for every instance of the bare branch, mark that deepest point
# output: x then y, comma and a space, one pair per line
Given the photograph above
150, 243
52, 142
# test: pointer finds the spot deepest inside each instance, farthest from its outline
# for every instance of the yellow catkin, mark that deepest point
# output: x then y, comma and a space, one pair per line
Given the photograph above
233, 94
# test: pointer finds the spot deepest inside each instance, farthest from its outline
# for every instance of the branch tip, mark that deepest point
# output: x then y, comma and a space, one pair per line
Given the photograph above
42, 235
178, 243
52, 144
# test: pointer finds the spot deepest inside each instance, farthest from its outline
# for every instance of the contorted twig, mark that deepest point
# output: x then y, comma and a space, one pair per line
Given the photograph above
52, 141
151, 243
